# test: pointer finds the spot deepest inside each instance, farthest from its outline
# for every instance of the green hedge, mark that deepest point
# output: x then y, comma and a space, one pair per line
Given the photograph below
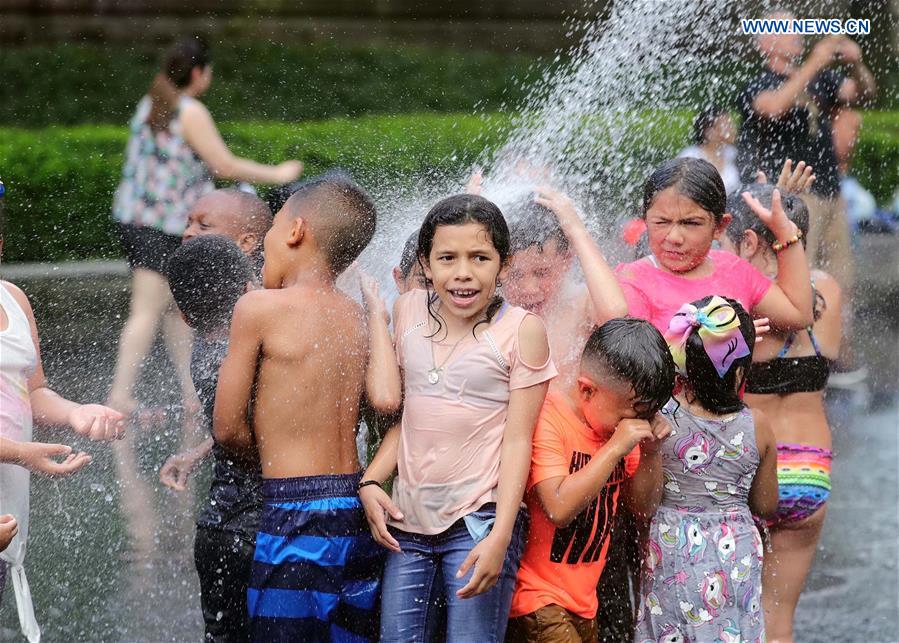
70, 84
60, 180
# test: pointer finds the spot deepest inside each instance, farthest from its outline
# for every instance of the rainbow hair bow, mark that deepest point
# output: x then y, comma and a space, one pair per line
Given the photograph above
719, 329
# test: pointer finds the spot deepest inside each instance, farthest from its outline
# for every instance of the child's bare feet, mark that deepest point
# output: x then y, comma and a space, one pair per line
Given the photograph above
8, 530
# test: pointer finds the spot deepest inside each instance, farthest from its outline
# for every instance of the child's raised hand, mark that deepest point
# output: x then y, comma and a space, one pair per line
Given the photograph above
629, 433
371, 295
487, 557
661, 429
8, 530
795, 180
97, 422
561, 205
774, 219
41, 457
177, 470
474, 183
377, 505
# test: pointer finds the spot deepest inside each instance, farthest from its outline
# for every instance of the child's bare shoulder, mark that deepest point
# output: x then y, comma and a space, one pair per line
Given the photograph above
256, 305
18, 294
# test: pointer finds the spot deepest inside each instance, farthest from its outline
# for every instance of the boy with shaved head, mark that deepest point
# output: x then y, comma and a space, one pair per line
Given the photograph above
242, 217
300, 352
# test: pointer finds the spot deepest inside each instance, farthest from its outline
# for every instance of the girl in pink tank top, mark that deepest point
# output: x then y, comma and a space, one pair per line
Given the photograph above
476, 371
683, 206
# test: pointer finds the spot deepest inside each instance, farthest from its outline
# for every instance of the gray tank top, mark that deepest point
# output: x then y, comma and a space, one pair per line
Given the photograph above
708, 464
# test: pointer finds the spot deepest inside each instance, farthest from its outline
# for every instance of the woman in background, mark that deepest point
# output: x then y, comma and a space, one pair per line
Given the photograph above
173, 154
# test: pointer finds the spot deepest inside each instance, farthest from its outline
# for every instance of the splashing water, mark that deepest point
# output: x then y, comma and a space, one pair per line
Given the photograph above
595, 128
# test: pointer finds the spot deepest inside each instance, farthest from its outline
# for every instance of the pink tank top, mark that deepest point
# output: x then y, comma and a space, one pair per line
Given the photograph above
452, 429
655, 295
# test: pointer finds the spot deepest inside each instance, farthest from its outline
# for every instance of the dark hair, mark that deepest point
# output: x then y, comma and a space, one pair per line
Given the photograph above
634, 352
696, 179
534, 225
717, 394
278, 195
745, 219
459, 210
207, 275
409, 255
344, 217
704, 120
175, 73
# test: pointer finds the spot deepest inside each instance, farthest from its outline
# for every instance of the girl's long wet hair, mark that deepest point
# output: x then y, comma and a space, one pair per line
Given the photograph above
696, 179
459, 210
719, 395
174, 74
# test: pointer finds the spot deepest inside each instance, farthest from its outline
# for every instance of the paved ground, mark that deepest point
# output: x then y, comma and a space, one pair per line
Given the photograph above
88, 587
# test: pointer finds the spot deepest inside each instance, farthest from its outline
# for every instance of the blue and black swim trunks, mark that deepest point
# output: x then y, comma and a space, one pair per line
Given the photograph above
316, 571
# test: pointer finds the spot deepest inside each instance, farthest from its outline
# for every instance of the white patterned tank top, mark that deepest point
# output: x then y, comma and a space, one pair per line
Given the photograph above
162, 177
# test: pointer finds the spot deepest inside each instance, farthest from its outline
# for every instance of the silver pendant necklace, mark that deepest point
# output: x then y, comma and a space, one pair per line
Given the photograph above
434, 373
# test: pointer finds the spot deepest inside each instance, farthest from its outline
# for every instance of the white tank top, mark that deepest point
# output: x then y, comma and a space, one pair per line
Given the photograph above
18, 359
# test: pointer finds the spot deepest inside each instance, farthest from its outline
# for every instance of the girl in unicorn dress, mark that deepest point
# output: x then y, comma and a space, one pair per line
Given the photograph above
702, 571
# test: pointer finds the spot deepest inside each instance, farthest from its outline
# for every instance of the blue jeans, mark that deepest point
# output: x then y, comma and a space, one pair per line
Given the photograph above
425, 571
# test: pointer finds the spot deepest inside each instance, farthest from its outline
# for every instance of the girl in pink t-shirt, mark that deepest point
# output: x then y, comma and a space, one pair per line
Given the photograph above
683, 206
475, 371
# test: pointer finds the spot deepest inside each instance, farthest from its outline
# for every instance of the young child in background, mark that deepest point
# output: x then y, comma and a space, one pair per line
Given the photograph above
702, 570
476, 371
585, 460
242, 217
546, 236
207, 275
786, 382
25, 398
408, 273
298, 353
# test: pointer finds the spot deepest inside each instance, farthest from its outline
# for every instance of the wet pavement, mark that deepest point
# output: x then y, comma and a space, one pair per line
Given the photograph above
88, 585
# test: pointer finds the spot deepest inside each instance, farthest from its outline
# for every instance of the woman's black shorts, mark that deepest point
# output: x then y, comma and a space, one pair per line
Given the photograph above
147, 247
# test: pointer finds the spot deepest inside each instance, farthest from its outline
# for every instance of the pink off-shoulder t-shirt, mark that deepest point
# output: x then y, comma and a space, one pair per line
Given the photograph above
452, 430
655, 295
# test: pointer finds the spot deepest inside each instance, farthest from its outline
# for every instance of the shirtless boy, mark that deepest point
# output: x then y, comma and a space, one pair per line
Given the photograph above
298, 352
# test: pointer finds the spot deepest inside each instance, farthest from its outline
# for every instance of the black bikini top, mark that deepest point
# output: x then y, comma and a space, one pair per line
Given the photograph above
784, 375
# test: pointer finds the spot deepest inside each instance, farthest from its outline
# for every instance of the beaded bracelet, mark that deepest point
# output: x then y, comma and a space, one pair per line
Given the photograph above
777, 246
366, 483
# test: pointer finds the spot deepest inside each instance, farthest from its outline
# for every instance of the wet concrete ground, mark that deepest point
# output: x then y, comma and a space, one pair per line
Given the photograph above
88, 586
